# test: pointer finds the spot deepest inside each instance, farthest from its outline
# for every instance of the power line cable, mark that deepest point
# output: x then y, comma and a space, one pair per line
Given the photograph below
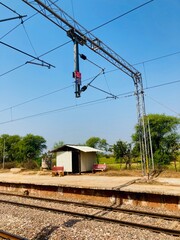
62, 45
163, 105
36, 98
91, 29
163, 84
56, 110
43, 63
123, 95
10, 31
86, 86
122, 15
10, 9
18, 25
12, 18
64, 88
149, 60
101, 100
29, 40
106, 81
112, 95
157, 58
85, 58
13, 69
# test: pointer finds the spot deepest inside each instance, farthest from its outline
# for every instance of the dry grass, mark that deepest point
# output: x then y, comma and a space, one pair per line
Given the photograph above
109, 172
137, 173
170, 174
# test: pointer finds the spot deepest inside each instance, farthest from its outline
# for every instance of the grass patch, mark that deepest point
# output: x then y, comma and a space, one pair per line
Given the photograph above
107, 160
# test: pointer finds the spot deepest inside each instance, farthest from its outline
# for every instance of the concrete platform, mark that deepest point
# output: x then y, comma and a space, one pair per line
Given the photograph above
163, 186
161, 193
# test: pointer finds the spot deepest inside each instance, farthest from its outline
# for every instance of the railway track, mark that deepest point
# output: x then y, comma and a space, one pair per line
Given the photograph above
105, 208
10, 236
97, 215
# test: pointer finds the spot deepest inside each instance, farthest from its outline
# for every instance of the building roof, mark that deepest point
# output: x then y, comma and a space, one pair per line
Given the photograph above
77, 147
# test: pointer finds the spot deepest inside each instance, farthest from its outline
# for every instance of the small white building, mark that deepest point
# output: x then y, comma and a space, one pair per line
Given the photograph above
75, 158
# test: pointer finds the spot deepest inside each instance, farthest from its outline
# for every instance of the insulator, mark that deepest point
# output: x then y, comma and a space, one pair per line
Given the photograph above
84, 88
83, 56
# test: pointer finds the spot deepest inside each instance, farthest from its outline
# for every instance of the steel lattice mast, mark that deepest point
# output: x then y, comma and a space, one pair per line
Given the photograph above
82, 36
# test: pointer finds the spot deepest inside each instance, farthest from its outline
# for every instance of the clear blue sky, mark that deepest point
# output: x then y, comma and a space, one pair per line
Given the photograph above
145, 34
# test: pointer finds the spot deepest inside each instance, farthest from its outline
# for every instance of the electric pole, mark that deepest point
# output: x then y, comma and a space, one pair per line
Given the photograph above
4, 152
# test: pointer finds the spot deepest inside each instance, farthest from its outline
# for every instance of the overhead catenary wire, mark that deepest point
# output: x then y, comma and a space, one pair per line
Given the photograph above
44, 63
85, 58
9, 8
36, 98
13, 69
157, 58
71, 107
112, 95
17, 26
162, 105
106, 82
64, 88
12, 18
70, 40
29, 40
101, 100
149, 1
122, 15
109, 71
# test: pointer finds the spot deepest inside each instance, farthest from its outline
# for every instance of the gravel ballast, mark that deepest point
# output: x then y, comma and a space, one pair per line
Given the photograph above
41, 225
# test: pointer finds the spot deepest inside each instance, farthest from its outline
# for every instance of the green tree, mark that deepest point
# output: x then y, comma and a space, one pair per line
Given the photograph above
9, 147
15, 149
93, 142
31, 147
164, 136
58, 144
98, 143
122, 151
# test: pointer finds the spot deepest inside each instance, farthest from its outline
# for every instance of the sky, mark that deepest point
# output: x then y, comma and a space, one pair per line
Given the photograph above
41, 101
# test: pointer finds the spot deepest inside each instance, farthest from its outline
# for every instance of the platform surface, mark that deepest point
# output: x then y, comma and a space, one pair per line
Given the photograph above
166, 186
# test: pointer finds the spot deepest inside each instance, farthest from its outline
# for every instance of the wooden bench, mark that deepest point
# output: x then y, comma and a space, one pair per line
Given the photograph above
99, 167
57, 171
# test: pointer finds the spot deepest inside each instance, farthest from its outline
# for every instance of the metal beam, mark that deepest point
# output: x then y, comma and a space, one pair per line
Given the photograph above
60, 18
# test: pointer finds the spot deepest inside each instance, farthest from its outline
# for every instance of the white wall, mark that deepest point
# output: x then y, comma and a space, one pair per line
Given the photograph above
87, 160
64, 159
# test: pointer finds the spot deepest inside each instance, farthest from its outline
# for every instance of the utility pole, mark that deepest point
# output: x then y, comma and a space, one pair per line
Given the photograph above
76, 74
4, 152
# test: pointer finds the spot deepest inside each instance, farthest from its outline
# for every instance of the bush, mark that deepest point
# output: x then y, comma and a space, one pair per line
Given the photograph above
9, 165
31, 164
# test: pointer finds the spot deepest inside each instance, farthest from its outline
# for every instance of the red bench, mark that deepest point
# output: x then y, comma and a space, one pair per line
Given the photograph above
58, 171
99, 167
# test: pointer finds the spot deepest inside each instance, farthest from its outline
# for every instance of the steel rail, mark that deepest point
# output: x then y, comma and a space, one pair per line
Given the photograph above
10, 236
98, 218
102, 207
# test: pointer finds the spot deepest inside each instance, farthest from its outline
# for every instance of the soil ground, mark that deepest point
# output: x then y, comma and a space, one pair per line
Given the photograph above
122, 172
